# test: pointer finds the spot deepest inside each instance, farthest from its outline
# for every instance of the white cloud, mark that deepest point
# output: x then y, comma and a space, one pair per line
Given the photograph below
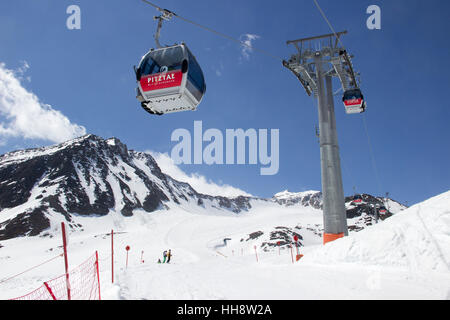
219, 69
247, 39
20, 72
22, 115
198, 182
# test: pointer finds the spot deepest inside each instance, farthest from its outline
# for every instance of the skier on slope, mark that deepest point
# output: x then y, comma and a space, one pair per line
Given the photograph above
164, 256
169, 255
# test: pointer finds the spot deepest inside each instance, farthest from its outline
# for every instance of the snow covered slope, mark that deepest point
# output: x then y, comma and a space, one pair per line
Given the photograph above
417, 239
403, 257
223, 248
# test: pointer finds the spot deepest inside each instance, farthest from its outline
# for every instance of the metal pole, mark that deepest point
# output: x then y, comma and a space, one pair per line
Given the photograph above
158, 30
339, 204
335, 224
292, 254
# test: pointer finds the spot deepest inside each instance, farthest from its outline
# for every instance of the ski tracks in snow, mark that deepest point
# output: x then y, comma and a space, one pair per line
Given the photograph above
165, 281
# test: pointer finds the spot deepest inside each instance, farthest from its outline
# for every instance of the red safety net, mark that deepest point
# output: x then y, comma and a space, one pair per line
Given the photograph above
83, 282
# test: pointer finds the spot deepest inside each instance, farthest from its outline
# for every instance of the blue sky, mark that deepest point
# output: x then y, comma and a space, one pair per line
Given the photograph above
86, 75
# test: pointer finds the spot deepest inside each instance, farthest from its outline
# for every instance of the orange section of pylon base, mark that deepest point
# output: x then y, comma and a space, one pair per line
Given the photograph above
328, 237
298, 257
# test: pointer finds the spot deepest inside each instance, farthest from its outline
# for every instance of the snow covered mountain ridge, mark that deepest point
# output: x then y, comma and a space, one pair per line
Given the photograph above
90, 176
312, 198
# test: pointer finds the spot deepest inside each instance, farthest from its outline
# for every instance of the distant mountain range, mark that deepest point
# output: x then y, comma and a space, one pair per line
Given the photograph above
91, 176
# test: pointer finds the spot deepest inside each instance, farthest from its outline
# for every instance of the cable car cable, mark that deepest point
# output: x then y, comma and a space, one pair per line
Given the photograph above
329, 24
223, 35
374, 163
347, 172
345, 55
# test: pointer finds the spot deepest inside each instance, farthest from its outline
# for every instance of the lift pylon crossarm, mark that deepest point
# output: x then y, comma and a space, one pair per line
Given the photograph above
348, 63
299, 77
333, 54
330, 35
341, 73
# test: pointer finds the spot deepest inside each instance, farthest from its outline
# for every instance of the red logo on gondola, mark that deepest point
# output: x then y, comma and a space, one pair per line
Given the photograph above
353, 102
161, 80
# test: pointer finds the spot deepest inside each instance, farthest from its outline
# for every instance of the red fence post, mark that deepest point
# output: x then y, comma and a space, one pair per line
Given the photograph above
142, 256
49, 290
256, 253
63, 228
98, 275
83, 280
298, 256
112, 255
128, 249
292, 254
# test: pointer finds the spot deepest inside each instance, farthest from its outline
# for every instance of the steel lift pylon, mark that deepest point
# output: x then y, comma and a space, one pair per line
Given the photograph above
317, 61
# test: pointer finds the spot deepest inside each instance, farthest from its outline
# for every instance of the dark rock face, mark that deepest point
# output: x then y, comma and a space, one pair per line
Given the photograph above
280, 237
283, 237
88, 176
366, 207
25, 224
314, 199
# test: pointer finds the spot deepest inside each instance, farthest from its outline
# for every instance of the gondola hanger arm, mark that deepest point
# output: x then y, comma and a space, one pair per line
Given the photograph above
166, 15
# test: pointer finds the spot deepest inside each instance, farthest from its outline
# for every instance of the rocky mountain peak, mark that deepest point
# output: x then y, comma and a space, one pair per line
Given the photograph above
92, 176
